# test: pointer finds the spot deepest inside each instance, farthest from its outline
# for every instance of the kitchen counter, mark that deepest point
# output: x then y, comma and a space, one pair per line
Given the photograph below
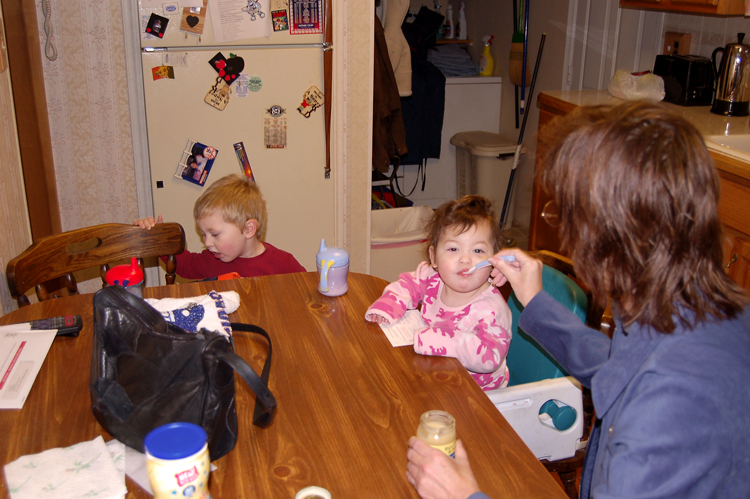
700, 116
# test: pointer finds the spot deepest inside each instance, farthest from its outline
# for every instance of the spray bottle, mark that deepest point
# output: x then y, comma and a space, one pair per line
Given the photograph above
486, 62
448, 31
462, 30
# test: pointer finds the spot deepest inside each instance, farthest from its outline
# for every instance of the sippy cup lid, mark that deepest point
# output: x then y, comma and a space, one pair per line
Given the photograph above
339, 256
125, 275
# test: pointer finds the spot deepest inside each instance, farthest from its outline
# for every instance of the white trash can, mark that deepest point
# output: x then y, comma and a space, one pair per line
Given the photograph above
480, 171
398, 242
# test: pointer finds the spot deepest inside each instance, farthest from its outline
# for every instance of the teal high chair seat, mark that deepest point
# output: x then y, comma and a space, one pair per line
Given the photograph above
544, 405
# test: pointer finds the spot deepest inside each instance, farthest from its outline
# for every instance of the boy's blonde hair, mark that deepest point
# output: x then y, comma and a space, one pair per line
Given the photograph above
237, 199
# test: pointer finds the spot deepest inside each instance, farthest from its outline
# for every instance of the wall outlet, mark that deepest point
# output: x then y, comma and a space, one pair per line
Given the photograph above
677, 43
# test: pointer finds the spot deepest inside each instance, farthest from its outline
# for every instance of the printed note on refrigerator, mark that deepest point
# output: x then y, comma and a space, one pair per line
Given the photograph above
22, 353
401, 333
240, 19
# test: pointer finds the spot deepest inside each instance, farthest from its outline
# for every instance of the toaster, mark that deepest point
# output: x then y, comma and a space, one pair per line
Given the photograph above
688, 79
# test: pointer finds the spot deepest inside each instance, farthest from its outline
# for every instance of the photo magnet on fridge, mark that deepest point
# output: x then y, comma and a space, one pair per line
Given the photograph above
196, 162
157, 25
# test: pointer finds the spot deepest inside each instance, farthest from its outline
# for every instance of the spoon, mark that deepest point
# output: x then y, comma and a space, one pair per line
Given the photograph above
507, 258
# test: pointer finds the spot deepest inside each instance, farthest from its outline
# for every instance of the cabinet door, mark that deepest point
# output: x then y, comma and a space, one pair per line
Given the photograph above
739, 262
541, 235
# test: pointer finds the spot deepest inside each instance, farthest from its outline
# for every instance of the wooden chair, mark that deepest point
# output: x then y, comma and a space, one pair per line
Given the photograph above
59, 255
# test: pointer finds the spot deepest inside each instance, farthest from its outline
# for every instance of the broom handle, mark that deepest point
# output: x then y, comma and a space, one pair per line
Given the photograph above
520, 135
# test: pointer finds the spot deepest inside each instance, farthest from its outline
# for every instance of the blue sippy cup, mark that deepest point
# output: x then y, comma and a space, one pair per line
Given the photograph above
333, 268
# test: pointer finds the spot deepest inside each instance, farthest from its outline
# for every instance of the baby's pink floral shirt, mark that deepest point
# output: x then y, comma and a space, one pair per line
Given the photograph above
478, 334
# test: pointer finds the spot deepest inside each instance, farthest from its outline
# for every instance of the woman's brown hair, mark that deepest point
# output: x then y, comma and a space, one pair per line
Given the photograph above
638, 198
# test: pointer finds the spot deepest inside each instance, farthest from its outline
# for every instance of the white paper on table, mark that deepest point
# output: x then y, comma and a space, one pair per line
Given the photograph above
157, 4
401, 333
22, 353
85, 469
231, 23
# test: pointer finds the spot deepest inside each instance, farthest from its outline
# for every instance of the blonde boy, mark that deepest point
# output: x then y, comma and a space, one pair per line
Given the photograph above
231, 215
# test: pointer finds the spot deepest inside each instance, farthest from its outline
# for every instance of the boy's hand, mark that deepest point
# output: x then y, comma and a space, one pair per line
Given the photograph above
147, 223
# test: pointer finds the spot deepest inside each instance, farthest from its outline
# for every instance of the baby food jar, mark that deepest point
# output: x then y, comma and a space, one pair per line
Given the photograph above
177, 461
438, 428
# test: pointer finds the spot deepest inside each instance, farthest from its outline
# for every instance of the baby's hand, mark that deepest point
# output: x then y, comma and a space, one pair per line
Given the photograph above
147, 223
378, 319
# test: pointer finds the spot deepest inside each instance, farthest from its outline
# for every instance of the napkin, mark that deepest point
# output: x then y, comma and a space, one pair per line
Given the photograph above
82, 470
209, 311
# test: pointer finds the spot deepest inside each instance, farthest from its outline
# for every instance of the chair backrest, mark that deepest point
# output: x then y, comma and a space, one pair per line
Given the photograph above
527, 361
60, 255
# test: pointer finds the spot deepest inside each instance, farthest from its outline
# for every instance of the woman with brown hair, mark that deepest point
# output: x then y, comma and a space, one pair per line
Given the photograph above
637, 195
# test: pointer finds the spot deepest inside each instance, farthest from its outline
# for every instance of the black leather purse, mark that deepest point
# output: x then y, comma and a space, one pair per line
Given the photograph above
147, 372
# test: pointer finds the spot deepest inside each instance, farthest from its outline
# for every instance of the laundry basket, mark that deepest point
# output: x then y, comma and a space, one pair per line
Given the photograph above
398, 242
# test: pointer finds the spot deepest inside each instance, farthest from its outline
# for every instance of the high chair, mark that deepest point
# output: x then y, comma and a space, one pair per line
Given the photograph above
545, 406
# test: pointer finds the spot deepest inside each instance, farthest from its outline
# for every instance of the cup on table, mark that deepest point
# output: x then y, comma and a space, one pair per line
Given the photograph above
129, 277
333, 270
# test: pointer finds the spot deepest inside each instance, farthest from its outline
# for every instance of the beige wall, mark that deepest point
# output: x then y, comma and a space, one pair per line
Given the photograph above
14, 218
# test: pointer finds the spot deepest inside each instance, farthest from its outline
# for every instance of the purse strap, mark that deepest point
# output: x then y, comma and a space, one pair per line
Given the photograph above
265, 402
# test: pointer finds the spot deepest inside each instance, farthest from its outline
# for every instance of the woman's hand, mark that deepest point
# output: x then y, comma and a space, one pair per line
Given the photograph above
435, 475
147, 223
524, 275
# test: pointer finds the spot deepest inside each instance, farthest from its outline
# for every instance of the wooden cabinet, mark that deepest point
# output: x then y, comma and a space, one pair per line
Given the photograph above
715, 7
734, 211
541, 235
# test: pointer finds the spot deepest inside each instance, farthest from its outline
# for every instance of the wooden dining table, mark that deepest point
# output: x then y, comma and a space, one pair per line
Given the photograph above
348, 401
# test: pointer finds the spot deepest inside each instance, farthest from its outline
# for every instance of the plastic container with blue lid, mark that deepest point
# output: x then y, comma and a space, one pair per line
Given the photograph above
178, 462
175, 440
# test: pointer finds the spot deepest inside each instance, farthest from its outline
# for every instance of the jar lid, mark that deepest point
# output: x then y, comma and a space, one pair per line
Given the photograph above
175, 440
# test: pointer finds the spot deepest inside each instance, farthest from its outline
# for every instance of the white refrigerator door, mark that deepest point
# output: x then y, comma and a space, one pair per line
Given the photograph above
298, 197
173, 36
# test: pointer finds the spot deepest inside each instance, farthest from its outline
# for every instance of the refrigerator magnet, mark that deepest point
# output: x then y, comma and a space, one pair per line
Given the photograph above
160, 72
305, 17
240, 88
254, 83
218, 96
254, 10
274, 127
157, 25
280, 20
312, 100
171, 8
196, 162
239, 149
194, 19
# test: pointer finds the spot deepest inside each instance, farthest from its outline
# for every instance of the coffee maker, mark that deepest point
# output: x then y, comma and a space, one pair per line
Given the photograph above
732, 79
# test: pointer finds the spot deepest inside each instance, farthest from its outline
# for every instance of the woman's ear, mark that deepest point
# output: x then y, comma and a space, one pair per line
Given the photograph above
431, 252
251, 228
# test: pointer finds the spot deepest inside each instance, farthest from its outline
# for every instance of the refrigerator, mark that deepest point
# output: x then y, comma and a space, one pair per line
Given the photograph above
229, 94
